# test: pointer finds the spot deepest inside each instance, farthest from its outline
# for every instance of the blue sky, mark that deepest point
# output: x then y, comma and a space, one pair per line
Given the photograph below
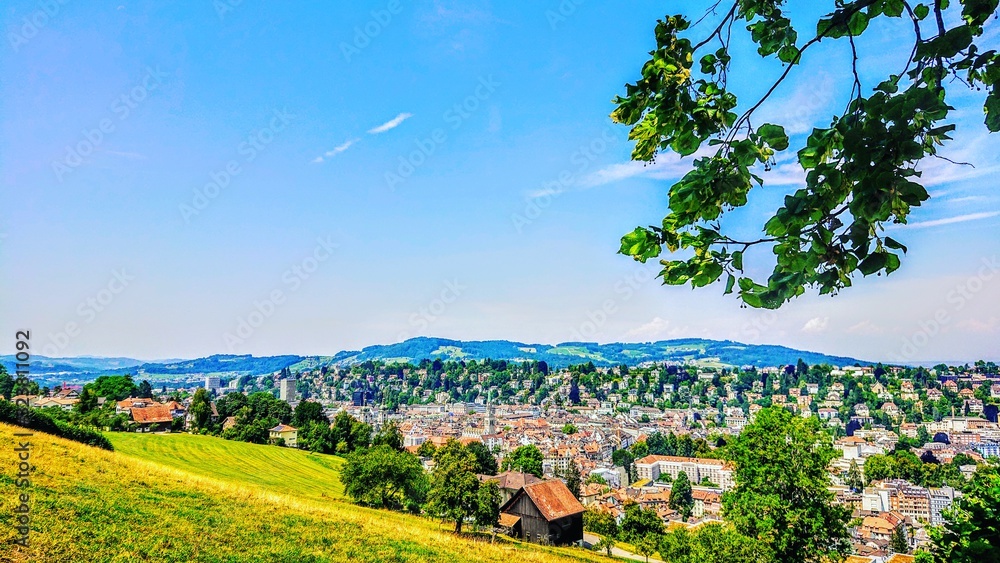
269, 178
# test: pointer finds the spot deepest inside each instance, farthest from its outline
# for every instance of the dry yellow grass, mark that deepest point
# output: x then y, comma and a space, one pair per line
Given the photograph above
95, 506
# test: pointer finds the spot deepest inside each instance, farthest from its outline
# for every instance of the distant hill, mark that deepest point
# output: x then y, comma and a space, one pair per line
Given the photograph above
724, 352
708, 352
221, 364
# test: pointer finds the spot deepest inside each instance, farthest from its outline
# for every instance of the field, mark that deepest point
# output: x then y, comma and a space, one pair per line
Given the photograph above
97, 506
278, 470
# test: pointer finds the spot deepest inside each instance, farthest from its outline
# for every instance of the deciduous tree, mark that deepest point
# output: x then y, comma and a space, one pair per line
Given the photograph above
861, 171
781, 495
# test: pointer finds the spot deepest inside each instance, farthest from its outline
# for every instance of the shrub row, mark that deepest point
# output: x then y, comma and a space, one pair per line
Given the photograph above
34, 419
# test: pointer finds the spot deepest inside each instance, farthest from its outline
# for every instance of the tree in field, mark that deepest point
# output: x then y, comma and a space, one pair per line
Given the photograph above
487, 512
970, 533
898, 541
602, 523
389, 435
145, 390
527, 459
781, 495
681, 498
454, 490
486, 463
350, 433
860, 171
201, 409
642, 528
384, 477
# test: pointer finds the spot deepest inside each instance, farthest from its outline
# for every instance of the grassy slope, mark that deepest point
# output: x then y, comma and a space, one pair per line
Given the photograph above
280, 470
94, 505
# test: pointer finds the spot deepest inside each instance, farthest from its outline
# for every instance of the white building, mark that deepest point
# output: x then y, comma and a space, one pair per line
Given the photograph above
716, 471
213, 383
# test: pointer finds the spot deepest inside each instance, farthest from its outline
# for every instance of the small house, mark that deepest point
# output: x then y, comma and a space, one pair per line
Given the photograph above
545, 512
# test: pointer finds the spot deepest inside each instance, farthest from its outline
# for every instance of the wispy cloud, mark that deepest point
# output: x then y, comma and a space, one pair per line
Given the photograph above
336, 150
951, 220
816, 325
391, 124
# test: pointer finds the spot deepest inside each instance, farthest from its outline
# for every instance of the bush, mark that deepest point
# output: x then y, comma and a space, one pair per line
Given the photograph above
34, 419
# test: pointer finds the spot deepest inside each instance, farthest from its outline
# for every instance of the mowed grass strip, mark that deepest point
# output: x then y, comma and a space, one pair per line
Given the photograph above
274, 469
93, 505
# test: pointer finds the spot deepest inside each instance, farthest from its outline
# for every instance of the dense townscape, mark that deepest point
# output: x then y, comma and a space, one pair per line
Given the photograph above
585, 453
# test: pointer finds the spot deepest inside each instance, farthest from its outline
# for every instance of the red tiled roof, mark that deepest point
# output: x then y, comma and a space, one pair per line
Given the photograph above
553, 499
509, 520
283, 428
150, 415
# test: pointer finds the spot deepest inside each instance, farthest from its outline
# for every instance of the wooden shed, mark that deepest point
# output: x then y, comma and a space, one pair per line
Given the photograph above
548, 513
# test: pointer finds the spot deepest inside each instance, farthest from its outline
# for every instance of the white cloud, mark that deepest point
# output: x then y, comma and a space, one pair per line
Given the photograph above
391, 124
816, 325
336, 150
951, 220
803, 109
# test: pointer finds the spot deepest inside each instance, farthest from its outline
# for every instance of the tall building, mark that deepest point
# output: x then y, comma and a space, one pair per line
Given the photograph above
287, 389
213, 383
491, 420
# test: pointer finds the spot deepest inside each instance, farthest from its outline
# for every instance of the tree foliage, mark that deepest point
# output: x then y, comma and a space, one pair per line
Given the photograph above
201, 409
527, 459
454, 492
861, 172
971, 532
384, 477
781, 495
681, 498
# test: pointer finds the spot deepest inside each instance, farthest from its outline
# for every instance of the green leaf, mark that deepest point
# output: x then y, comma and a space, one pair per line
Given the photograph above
788, 54
640, 244
738, 260
774, 136
894, 244
873, 263
921, 11
992, 108
729, 284
858, 23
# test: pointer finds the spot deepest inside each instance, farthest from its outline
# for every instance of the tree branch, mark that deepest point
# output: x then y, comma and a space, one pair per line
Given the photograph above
718, 30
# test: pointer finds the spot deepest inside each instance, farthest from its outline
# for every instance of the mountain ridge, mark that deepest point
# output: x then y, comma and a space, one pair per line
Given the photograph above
718, 352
